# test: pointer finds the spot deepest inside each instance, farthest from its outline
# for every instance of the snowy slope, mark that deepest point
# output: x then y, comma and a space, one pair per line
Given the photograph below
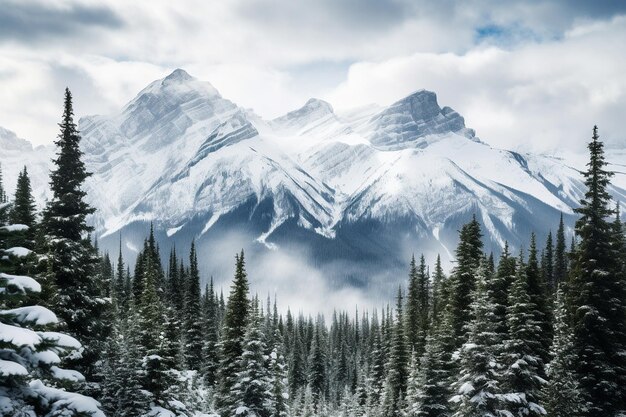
370, 185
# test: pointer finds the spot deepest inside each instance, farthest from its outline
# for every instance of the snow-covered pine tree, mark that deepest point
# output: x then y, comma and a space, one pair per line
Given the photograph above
4, 207
433, 392
499, 286
192, 315
31, 351
253, 390
397, 366
151, 315
562, 393
70, 257
463, 279
23, 207
232, 344
210, 351
317, 365
279, 401
540, 297
418, 307
521, 358
477, 389
599, 296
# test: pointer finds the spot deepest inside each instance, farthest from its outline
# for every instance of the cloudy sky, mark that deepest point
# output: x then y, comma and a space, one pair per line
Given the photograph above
527, 75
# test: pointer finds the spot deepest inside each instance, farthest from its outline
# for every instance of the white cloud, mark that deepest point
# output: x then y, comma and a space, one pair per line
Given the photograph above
541, 97
530, 75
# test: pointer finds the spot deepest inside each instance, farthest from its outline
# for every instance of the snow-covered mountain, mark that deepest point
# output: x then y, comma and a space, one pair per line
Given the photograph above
351, 194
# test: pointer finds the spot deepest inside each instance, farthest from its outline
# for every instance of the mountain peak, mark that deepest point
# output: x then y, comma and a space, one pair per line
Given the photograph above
417, 115
314, 109
178, 75
318, 105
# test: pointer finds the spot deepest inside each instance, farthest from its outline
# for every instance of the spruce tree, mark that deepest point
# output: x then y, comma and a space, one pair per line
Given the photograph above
192, 315
468, 255
438, 294
477, 389
600, 296
32, 349
210, 350
432, 393
23, 208
521, 358
560, 255
562, 393
253, 390
398, 365
539, 297
71, 261
232, 344
547, 264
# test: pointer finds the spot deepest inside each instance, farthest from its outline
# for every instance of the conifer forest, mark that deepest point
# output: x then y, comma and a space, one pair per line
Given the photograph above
536, 331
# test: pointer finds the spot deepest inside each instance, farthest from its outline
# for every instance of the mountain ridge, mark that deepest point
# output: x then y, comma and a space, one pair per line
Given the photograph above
370, 189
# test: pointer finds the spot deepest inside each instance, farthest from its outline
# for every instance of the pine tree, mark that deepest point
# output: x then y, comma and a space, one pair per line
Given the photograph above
547, 264
600, 298
210, 350
232, 343
4, 206
71, 261
523, 367
398, 365
434, 374
23, 208
317, 366
31, 350
438, 294
253, 391
279, 405
476, 388
539, 297
499, 287
192, 315
560, 255
562, 393
151, 312
468, 255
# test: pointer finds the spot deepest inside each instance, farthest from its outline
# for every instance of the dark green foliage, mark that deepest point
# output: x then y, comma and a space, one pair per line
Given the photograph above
192, 315
598, 295
463, 279
521, 357
232, 344
560, 255
23, 207
71, 261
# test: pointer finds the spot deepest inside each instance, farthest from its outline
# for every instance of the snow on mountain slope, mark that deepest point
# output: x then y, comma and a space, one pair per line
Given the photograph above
367, 186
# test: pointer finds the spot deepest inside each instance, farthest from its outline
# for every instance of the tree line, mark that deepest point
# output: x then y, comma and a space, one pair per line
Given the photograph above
538, 332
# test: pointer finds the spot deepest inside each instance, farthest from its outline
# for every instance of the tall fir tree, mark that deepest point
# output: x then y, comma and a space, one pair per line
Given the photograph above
23, 210
232, 344
523, 367
70, 256
253, 390
599, 303
560, 255
562, 393
192, 315
477, 385
547, 263
397, 366
468, 256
